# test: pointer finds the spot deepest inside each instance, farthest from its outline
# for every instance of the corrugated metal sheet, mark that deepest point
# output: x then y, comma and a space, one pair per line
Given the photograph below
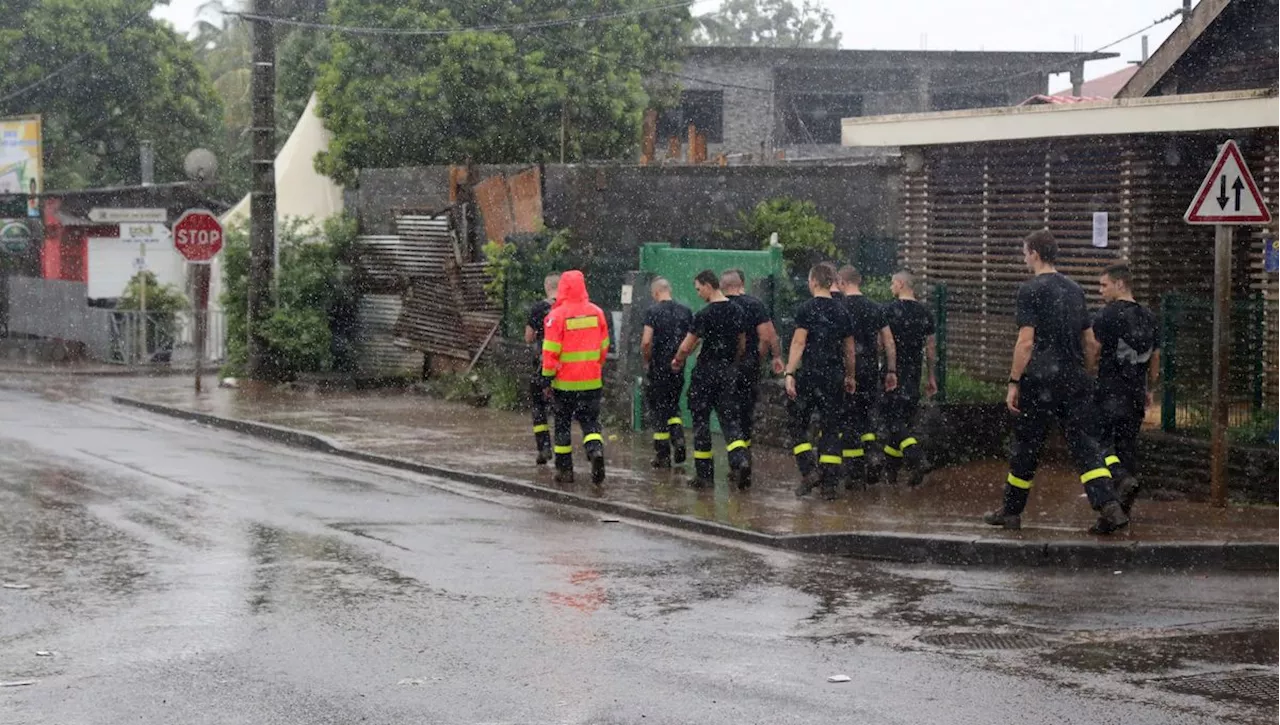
380, 354
431, 239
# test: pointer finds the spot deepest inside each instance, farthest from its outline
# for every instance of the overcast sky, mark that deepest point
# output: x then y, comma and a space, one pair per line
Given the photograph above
1058, 25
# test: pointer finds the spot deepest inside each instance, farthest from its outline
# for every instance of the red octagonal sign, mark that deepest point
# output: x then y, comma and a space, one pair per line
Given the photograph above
197, 235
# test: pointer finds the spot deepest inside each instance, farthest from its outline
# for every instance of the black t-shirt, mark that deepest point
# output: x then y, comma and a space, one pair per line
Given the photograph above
754, 314
867, 318
827, 325
911, 324
718, 325
537, 317
670, 321
1054, 305
1129, 336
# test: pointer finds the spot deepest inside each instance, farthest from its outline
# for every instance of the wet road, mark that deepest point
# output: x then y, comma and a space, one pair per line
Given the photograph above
182, 575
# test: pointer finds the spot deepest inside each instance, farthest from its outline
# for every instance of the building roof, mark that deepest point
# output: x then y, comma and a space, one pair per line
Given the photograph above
74, 205
1160, 62
1050, 60
1104, 86
1162, 114
1058, 99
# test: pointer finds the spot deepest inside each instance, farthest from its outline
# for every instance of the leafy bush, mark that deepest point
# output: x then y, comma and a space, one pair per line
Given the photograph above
806, 237
313, 326
965, 388
518, 267
161, 298
877, 288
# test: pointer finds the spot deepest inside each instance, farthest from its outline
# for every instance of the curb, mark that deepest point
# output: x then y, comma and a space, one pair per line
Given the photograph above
876, 545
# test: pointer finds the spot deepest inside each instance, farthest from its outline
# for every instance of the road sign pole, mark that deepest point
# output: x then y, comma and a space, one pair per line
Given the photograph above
201, 277
1223, 235
142, 296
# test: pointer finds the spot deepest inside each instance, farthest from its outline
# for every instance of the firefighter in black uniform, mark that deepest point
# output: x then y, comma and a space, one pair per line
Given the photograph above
914, 340
1047, 380
666, 323
533, 334
819, 373
870, 330
1128, 369
719, 328
762, 341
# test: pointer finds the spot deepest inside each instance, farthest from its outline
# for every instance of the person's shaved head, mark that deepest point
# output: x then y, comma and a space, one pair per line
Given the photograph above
733, 280
849, 274
905, 278
550, 284
660, 288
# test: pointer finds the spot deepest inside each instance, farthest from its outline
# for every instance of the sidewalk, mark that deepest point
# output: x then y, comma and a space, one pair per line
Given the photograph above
939, 521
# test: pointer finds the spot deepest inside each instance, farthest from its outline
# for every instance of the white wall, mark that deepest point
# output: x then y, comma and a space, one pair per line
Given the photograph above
111, 266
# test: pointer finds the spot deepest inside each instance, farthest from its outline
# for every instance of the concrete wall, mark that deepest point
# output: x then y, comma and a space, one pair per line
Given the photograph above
58, 310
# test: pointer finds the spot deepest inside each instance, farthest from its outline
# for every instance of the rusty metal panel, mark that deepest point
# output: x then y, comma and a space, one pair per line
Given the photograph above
526, 200
379, 354
495, 208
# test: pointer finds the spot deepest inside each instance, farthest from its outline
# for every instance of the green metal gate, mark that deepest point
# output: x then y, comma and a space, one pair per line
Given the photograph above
680, 266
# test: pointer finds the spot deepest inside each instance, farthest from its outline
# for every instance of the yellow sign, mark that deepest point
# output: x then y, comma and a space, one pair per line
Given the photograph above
21, 167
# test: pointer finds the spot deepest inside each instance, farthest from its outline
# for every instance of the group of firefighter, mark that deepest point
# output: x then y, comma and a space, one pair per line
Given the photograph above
854, 375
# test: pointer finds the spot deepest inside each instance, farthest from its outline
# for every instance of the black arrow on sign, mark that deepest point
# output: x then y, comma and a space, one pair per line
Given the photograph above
1239, 187
1222, 193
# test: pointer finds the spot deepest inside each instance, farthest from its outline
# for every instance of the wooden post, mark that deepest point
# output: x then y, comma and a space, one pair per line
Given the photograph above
650, 137
201, 314
1221, 356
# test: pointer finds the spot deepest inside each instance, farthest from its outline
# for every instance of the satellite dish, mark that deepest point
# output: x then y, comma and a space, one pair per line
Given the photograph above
201, 165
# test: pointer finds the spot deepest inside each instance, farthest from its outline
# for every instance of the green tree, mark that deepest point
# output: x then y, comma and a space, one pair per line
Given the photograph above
806, 237
104, 76
497, 97
774, 23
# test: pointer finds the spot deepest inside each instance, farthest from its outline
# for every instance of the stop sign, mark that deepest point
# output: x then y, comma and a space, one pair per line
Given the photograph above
197, 235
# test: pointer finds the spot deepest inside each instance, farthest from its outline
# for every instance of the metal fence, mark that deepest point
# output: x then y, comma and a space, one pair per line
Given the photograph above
165, 338
1187, 364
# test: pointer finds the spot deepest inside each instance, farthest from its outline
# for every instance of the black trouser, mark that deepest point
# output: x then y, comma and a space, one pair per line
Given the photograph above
1119, 422
860, 425
820, 392
584, 407
899, 408
541, 406
746, 389
663, 410
711, 390
1067, 399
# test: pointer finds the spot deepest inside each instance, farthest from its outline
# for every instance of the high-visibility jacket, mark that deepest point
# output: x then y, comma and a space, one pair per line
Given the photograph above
577, 338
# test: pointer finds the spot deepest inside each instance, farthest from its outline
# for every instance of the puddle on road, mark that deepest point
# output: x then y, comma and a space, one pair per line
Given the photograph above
1166, 654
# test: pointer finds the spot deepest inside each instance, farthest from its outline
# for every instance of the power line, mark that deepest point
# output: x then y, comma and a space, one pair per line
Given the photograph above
530, 25
73, 61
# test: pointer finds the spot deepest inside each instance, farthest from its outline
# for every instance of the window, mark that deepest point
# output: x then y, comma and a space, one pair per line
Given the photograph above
814, 118
704, 109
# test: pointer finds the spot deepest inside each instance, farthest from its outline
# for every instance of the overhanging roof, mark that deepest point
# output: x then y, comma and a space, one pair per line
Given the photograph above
1172, 48
1163, 114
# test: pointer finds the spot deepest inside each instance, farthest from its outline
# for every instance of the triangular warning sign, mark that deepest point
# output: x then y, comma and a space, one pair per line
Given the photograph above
1228, 194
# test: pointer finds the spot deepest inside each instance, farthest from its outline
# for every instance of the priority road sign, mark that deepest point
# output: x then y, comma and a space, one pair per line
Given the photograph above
1228, 194
197, 235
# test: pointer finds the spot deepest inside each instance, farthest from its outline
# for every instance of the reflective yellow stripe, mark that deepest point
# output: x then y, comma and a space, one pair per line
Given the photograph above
1021, 483
564, 449
577, 384
908, 442
853, 453
802, 448
747, 443
551, 346
592, 437
1095, 473
604, 344
662, 436
1113, 460
548, 372
891, 451
830, 459
675, 421
541, 428
571, 357
737, 444
581, 323
867, 437
704, 455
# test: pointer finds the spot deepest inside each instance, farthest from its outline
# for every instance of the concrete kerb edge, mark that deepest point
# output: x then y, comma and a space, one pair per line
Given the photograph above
884, 546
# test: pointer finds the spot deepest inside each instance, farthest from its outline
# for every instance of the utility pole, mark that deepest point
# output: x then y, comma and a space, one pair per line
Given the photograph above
262, 200
147, 161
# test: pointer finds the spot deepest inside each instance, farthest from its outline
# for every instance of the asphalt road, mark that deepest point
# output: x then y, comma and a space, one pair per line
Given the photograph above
178, 574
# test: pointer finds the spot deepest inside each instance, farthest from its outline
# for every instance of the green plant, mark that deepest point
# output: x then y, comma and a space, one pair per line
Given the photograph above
965, 388
312, 327
805, 236
518, 267
502, 386
877, 288
160, 298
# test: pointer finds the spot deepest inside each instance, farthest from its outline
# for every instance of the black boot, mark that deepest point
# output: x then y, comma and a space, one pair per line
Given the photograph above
1127, 492
678, 450
808, 483
701, 483
597, 468
741, 477
544, 457
1013, 522
1111, 519
564, 475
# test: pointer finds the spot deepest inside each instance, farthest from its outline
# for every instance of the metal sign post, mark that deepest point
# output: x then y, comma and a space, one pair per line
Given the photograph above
1230, 178
197, 235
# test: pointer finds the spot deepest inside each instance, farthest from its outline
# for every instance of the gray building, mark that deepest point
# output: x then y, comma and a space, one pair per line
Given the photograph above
761, 101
